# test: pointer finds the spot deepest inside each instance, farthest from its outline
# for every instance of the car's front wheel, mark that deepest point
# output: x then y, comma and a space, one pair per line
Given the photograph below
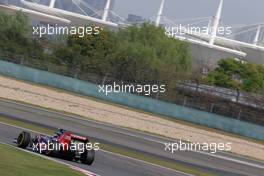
23, 139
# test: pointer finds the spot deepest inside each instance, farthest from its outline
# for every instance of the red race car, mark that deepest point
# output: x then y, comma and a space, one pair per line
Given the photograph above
63, 144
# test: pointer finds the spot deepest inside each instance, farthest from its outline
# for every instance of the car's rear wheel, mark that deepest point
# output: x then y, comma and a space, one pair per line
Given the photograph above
88, 157
23, 139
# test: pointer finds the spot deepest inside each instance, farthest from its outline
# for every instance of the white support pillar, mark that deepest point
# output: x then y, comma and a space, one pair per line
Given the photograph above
106, 10
216, 22
209, 27
160, 13
52, 3
256, 40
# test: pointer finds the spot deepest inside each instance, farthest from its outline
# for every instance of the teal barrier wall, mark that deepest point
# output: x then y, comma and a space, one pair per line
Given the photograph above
134, 101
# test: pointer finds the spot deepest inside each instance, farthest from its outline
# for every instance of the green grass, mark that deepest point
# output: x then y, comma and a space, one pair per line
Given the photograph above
118, 150
14, 162
26, 125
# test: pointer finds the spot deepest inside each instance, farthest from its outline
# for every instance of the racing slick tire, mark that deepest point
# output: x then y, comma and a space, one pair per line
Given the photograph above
23, 139
88, 157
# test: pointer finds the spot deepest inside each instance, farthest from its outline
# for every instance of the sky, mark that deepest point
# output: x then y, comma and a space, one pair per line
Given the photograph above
234, 11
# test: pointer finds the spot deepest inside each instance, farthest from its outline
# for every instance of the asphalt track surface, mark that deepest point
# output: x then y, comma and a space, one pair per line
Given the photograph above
108, 164
105, 163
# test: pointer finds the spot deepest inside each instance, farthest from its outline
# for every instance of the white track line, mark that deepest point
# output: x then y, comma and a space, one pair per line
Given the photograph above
233, 160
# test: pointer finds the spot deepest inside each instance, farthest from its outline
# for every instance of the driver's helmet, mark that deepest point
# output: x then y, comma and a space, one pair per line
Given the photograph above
59, 133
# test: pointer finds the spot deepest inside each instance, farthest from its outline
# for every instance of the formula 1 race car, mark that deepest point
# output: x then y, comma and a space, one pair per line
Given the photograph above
63, 144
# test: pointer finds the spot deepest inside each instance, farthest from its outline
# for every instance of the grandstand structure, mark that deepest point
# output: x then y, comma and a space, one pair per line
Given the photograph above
207, 49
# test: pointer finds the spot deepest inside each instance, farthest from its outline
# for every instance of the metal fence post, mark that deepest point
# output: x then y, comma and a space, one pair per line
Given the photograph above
239, 115
212, 107
184, 101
